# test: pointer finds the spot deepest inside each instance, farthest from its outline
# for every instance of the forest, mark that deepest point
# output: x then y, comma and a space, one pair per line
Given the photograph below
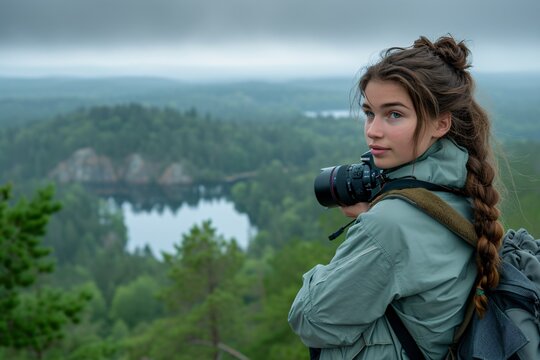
71, 290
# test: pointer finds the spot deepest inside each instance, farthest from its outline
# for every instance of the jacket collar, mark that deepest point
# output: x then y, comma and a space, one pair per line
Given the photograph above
444, 163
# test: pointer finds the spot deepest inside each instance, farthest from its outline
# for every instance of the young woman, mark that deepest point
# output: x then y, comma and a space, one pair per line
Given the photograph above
421, 120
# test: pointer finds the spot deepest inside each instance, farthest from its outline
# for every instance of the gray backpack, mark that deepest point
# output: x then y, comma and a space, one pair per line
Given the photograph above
510, 328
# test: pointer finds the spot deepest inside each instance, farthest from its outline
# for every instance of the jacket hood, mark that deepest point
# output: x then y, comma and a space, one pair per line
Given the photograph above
444, 163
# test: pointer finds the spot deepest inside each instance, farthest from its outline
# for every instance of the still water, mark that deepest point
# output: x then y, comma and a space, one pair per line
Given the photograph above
160, 229
335, 113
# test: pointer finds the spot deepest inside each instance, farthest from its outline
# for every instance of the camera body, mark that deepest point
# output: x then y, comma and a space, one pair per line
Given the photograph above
344, 185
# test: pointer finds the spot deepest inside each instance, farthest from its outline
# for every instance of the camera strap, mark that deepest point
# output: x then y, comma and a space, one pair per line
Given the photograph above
408, 183
340, 231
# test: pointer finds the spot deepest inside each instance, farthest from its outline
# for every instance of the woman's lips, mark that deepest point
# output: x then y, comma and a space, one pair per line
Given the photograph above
378, 151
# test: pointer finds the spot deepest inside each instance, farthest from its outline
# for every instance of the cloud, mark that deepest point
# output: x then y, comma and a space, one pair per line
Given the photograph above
79, 29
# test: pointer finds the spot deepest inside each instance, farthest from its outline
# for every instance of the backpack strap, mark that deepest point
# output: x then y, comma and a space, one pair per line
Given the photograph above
467, 318
435, 207
405, 338
438, 209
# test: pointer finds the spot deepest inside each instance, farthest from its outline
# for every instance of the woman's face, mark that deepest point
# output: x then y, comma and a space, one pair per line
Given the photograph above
390, 124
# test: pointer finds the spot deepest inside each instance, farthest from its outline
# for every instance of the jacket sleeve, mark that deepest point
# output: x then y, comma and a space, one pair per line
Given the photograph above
339, 301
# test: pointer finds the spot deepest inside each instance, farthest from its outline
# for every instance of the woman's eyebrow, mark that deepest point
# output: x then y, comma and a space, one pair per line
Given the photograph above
386, 105
392, 104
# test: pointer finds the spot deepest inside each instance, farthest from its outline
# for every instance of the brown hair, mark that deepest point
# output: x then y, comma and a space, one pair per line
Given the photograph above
436, 78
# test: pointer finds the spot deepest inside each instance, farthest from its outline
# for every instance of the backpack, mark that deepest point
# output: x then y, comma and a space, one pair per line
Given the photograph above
510, 328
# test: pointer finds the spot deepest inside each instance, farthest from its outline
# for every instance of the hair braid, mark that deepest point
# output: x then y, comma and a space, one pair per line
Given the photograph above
480, 187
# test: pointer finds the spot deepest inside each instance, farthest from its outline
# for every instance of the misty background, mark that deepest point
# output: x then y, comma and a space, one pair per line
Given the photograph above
217, 40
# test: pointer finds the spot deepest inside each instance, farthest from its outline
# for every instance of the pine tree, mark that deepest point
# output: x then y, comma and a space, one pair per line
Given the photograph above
205, 292
31, 317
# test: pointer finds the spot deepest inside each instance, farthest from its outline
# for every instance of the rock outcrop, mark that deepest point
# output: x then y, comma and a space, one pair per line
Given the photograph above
175, 174
137, 171
86, 166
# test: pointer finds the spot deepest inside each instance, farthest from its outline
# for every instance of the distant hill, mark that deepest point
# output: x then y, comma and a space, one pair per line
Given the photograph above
134, 144
512, 99
27, 100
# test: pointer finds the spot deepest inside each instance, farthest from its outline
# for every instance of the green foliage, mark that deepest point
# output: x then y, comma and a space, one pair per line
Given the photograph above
119, 331
96, 310
95, 350
38, 320
205, 291
31, 318
22, 257
161, 340
84, 227
282, 279
137, 301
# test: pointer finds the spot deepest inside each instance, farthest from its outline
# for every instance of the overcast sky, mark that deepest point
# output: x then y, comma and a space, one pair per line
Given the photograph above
207, 39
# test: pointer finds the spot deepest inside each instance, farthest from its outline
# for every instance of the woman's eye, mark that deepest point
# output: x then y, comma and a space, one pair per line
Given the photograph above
369, 114
395, 115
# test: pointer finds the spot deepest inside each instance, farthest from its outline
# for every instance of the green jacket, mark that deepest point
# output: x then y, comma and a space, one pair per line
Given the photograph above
394, 253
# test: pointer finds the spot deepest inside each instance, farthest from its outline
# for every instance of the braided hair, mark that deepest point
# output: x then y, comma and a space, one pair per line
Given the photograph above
436, 77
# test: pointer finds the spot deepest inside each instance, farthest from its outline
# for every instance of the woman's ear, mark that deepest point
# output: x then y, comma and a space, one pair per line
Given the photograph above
442, 125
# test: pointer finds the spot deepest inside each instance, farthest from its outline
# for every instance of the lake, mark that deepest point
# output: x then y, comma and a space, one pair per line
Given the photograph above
161, 228
335, 113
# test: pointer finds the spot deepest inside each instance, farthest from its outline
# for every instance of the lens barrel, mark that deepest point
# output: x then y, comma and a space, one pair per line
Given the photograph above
345, 185
326, 191
335, 186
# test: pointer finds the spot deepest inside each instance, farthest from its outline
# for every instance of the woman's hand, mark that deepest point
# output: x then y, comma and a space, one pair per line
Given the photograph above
354, 210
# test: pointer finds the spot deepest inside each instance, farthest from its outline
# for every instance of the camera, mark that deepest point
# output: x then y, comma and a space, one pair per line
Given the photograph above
345, 185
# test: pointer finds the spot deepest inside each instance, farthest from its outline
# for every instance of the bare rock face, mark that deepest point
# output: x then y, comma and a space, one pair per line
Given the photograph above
175, 174
138, 171
84, 165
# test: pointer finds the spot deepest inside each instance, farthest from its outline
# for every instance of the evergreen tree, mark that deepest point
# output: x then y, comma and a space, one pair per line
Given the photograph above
205, 292
137, 301
31, 317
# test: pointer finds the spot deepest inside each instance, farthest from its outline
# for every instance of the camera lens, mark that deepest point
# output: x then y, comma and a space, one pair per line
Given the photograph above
333, 186
344, 185
324, 187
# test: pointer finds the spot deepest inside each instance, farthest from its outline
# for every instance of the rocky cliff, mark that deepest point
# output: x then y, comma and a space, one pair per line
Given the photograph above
86, 166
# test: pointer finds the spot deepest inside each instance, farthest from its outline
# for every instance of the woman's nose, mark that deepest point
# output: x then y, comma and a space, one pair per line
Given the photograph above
374, 128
